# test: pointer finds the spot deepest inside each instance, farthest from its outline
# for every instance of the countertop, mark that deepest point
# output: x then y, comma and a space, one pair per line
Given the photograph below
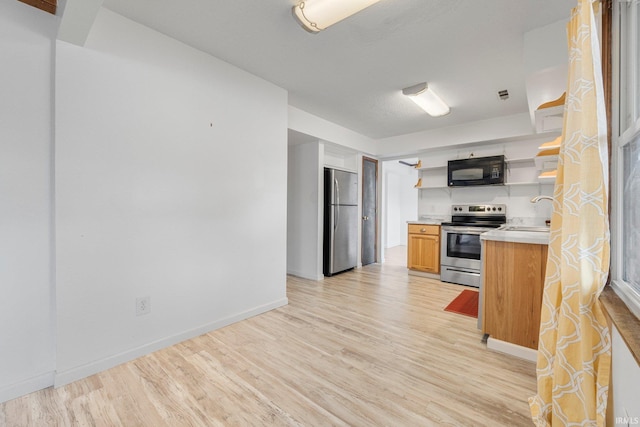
532, 237
429, 221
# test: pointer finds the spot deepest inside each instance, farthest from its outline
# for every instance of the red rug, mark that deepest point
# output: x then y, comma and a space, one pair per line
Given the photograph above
466, 303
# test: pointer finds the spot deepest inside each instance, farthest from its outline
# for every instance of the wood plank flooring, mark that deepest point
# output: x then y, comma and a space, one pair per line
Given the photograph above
372, 347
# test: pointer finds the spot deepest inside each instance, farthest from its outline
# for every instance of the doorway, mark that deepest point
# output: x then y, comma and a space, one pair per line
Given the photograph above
369, 210
399, 204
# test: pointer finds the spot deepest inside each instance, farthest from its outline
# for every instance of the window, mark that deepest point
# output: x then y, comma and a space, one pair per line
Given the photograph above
636, 35
626, 155
631, 213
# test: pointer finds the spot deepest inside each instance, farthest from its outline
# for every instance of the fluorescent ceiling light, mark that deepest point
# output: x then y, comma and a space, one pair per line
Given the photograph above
316, 15
422, 95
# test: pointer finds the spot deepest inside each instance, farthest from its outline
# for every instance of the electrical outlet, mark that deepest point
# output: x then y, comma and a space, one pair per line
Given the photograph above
143, 305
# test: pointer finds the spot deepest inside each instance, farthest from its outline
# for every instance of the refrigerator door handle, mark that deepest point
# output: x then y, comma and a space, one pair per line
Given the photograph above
332, 240
337, 190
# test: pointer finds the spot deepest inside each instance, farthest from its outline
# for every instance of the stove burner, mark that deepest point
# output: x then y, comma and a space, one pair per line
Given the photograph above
479, 210
490, 216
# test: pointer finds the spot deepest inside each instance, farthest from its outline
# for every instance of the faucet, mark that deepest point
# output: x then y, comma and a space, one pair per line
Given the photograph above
538, 198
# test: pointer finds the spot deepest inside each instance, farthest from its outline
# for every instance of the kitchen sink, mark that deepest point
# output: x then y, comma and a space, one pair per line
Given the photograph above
540, 228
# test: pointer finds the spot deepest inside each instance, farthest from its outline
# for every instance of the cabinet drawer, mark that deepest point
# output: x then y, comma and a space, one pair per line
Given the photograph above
424, 229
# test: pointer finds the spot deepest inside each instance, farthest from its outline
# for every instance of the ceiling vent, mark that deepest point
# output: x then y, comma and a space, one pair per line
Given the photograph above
503, 94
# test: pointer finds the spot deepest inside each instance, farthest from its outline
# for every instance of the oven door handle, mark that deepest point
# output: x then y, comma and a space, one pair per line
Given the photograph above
466, 230
462, 270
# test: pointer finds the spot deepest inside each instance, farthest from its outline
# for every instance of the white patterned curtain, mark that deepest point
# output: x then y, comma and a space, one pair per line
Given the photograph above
574, 352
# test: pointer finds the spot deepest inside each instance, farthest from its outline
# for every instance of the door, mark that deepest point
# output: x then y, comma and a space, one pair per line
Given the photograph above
461, 246
424, 253
345, 188
369, 210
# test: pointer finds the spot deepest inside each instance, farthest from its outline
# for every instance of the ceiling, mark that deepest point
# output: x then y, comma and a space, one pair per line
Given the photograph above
352, 73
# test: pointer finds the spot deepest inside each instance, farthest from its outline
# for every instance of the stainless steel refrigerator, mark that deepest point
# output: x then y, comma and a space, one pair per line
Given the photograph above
340, 221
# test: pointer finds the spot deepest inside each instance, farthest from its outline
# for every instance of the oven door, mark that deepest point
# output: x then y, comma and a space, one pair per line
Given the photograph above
461, 247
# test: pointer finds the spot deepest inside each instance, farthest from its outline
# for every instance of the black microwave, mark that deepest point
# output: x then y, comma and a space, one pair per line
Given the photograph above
476, 171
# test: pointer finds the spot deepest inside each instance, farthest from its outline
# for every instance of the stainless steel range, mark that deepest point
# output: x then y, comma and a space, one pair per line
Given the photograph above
460, 252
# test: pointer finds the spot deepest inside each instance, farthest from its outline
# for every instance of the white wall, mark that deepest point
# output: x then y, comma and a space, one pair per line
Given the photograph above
625, 375
437, 202
308, 124
26, 114
345, 160
482, 131
170, 183
545, 59
400, 202
304, 210
305, 216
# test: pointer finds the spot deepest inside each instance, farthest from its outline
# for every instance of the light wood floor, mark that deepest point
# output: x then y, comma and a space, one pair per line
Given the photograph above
371, 347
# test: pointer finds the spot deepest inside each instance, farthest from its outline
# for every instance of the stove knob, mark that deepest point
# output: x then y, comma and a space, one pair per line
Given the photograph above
499, 209
494, 209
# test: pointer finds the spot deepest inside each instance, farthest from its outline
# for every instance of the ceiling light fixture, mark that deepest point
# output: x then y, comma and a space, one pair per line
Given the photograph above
316, 15
422, 95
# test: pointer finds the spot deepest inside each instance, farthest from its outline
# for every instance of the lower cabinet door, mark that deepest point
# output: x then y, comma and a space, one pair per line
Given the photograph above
424, 253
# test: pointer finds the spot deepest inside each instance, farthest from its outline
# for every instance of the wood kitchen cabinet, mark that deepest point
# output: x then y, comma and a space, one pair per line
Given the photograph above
512, 291
423, 250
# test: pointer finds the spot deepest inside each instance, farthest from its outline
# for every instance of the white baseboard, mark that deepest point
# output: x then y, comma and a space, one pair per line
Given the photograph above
512, 349
65, 377
305, 275
27, 386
